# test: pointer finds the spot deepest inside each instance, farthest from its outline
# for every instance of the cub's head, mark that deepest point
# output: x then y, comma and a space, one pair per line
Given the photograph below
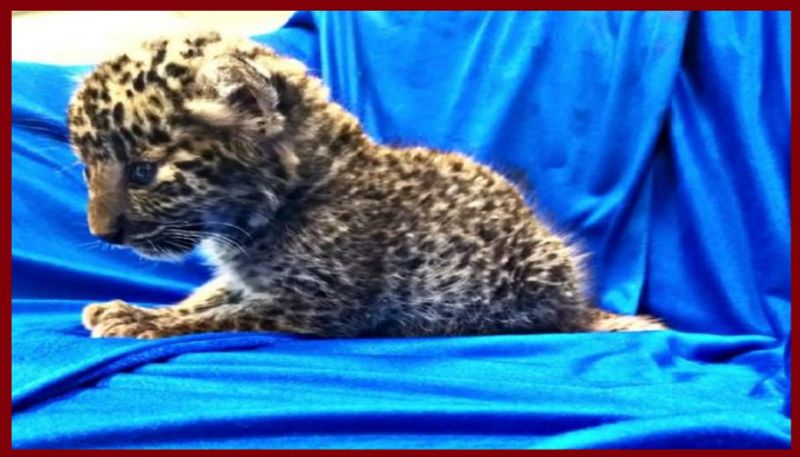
175, 138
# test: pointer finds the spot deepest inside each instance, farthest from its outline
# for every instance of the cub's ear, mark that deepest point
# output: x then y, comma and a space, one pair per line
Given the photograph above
236, 93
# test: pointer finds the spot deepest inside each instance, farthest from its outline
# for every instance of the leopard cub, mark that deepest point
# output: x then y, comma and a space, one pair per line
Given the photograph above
312, 226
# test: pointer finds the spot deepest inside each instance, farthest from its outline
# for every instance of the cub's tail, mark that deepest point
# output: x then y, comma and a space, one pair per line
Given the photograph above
604, 321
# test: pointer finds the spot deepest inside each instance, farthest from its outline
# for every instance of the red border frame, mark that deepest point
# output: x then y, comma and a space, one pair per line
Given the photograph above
6, 227
352, 4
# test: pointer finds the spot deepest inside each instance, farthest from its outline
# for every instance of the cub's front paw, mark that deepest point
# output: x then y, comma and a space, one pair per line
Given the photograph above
119, 319
93, 313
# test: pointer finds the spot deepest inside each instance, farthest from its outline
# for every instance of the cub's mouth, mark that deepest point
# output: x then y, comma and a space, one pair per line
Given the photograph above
166, 242
173, 239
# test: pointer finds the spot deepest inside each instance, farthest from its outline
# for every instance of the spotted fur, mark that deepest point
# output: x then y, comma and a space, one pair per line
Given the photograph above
312, 227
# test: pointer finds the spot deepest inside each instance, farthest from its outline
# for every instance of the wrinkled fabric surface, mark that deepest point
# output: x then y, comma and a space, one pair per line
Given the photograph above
660, 141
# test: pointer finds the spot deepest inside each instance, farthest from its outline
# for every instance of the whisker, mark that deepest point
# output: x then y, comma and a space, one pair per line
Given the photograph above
224, 224
197, 235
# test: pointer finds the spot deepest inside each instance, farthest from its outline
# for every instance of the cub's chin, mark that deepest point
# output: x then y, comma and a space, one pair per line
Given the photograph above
163, 250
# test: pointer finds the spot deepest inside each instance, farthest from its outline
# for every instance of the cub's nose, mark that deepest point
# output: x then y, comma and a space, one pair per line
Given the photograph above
113, 233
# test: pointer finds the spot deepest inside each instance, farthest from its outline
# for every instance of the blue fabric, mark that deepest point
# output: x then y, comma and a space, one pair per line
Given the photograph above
660, 140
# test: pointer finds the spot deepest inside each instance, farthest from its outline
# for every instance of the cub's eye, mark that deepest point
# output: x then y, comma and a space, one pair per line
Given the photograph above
141, 173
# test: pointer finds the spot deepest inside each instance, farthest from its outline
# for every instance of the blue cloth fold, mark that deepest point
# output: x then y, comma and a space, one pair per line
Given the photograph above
659, 140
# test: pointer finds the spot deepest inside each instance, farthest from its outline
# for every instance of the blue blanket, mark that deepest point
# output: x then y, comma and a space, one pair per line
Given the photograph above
660, 140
